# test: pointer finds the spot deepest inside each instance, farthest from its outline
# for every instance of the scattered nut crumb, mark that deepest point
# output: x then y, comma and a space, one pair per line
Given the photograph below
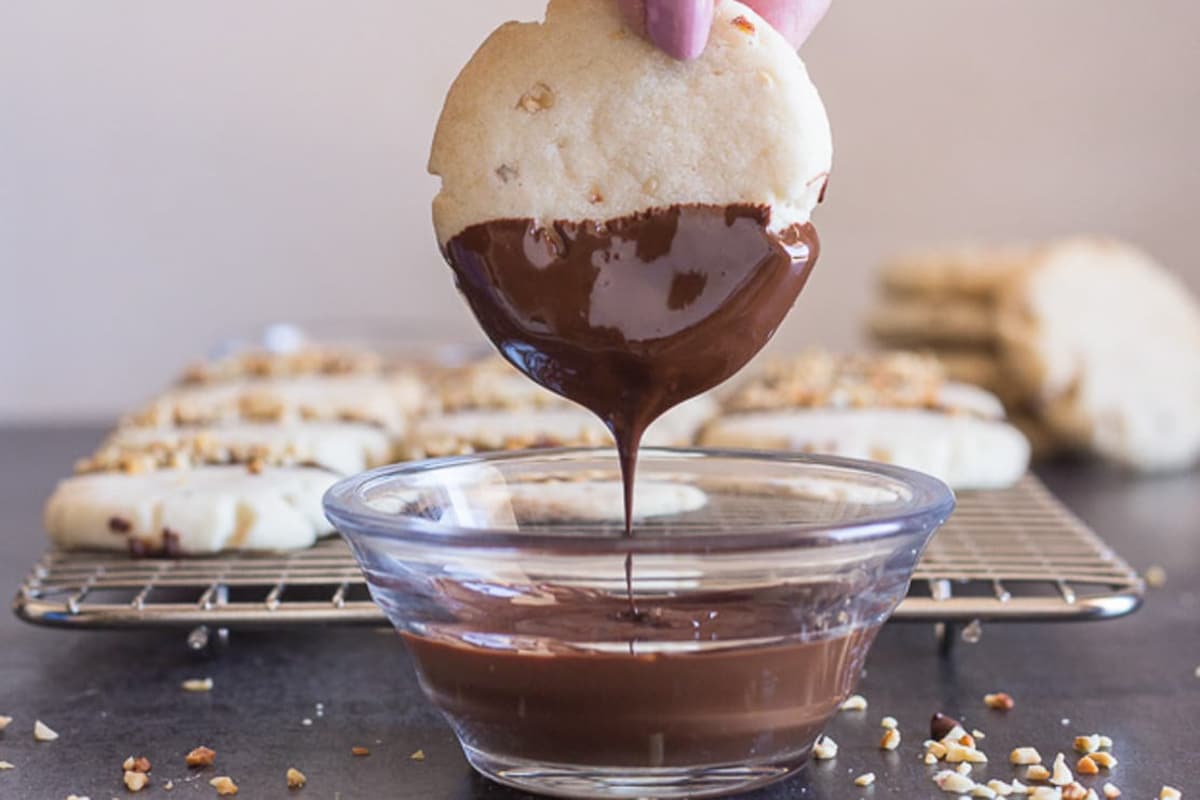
1060, 774
936, 748
306, 722
650, 186
139, 764
1046, 793
42, 732
135, 781
1105, 742
891, 739
1073, 791
930, 759
950, 781
889, 723
295, 778
419, 755
77, 797
1156, 577
539, 98
981, 790
742, 24
224, 785
1103, 760
855, 702
1000, 701
1087, 744
198, 685
360, 751
1037, 773
978, 734
1111, 791
1025, 755
6, 765
1018, 787
4, 722
1169, 793
866, 779
1087, 766
963, 769
169, 785
825, 749
1000, 787
201, 757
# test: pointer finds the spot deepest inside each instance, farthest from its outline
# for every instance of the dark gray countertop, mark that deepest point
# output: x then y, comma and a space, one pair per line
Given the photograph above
110, 695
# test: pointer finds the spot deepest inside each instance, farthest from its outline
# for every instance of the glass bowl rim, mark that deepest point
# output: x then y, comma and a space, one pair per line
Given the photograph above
930, 504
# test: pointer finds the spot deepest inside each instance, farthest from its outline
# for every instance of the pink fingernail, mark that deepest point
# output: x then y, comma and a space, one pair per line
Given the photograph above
679, 27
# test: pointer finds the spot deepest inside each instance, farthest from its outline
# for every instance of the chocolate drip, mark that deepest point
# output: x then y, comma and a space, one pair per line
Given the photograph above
631, 316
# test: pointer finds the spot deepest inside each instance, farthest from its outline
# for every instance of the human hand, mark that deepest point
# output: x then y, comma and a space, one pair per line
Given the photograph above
680, 27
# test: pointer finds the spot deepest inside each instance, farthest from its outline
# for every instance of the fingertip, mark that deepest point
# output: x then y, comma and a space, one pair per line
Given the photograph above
679, 27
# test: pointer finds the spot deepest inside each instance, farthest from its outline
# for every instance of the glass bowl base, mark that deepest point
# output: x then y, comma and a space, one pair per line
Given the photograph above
589, 781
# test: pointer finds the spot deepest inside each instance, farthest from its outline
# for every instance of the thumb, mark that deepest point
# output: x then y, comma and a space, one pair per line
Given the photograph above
679, 27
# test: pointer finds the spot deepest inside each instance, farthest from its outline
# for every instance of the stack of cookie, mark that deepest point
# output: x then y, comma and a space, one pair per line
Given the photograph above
897, 408
237, 455
1092, 345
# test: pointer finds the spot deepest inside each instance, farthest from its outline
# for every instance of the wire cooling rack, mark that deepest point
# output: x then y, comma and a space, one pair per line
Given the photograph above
1016, 554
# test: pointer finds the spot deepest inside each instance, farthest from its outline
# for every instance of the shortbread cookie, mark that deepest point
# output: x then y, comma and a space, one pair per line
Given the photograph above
577, 118
265, 364
190, 512
968, 272
909, 321
1108, 344
491, 429
896, 408
341, 447
386, 401
492, 383
600, 501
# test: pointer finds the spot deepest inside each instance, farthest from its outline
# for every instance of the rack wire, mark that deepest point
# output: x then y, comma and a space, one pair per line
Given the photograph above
1015, 554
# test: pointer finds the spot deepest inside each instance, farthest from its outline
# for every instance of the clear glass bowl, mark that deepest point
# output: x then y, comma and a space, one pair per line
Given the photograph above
758, 582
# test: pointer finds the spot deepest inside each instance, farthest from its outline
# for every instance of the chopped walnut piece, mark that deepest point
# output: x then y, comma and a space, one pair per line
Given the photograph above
1103, 760
866, 779
295, 778
950, 781
201, 757
1025, 755
224, 785
930, 759
825, 749
1037, 773
1000, 701
936, 748
1169, 793
1087, 744
1156, 577
4, 722
855, 702
1111, 791
963, 769
1046, 793
42, 732
1087, 766
742, 24
981, 790
978, 734
1105, 742
891, 739
1060, 774
169, 785
539, 98
889, 723
135, 781
139, 764
1001, 788
198, 685
1074, 791
418, 755
360, 751
5, 765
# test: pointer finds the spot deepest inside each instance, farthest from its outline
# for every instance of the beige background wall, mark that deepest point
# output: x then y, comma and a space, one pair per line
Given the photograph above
171, 172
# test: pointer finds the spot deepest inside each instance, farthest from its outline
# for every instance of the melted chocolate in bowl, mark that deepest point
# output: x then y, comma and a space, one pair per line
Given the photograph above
632, 316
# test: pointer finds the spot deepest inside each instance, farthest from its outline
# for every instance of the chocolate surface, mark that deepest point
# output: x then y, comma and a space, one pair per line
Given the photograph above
614, 709
631, 316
